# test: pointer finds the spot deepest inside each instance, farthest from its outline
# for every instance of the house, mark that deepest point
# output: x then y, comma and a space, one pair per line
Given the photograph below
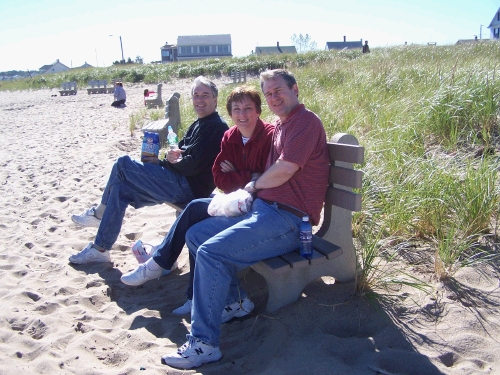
275, 50
467, 41
495, 26
344, 45
56, 67
168, 53
195, 47
84, 66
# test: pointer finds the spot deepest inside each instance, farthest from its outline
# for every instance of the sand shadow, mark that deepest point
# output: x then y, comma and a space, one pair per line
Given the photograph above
329, 327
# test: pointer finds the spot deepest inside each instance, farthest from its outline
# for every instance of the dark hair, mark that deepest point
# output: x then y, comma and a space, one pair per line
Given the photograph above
241, 92
275, 73
146, 92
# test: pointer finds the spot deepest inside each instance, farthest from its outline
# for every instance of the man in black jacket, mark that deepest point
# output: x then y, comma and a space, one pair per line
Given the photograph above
155, 181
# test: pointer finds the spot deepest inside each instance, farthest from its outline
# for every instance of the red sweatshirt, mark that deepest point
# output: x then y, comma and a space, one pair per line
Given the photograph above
247, 159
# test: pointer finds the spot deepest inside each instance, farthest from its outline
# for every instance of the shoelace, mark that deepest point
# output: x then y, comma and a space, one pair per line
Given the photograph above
191, 341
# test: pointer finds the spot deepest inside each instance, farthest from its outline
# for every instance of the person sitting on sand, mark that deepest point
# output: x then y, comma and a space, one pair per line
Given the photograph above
155, 181
292, 186
119, 95
243, 157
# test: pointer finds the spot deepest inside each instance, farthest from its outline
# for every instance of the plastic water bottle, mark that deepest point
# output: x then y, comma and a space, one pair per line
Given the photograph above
306, 246
173, 141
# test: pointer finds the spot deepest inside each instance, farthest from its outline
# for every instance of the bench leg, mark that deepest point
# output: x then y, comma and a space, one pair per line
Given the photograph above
286, 287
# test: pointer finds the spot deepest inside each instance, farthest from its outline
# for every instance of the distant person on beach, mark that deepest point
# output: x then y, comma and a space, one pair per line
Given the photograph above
244, 151
366, 49
293, 185
119, 95
155, 181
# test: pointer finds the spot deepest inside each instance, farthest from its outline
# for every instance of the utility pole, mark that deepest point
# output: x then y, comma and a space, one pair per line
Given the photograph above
121, 46
481, 32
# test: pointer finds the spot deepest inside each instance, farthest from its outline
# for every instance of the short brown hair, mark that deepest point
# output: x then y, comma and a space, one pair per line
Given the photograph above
241, 92
275, 73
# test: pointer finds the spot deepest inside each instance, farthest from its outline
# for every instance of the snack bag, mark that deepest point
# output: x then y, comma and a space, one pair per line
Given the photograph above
150, 145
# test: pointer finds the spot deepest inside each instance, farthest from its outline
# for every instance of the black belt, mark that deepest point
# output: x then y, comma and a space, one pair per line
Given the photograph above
287, 208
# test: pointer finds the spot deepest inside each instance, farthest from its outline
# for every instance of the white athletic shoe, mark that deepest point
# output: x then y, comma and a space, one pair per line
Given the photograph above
237, 310
90, 255
140, 275
87, 218
234, 310
193, 353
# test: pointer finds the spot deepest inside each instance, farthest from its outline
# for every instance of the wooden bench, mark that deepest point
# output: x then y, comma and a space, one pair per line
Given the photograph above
155, 100
334, 253
172, 118
98, 87
238, 76
68, 88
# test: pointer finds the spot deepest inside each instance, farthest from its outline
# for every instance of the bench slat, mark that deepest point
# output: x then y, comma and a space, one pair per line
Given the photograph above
344, 199
328, 249
347, 177
155, 125
276, 265
295, 259
347, 153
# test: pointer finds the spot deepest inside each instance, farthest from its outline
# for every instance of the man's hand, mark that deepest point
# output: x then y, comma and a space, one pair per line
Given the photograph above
226, 166
250, 187
173, 155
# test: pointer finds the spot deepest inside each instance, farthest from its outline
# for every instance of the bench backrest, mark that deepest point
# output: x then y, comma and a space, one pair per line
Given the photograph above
68, 85
172, 112
340, 200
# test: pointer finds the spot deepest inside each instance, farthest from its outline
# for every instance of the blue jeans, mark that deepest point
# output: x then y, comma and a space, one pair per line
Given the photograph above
223, 246
138, 184
169, 250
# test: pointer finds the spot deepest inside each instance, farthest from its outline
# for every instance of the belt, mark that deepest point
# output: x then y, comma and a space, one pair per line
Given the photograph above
284, 207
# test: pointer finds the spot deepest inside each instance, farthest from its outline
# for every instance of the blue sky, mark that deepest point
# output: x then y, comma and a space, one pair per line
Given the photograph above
35, 33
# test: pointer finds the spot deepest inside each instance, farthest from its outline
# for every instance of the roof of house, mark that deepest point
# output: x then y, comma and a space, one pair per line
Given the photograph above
168, 46
275, 50
86, 65
195, 40
495, 22
47, 67
342, 45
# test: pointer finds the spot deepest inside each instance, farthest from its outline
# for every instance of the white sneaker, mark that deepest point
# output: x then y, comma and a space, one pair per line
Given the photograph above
143, 252
140, 275
90, 255
87, 218
193, 353
237, 310
184, 309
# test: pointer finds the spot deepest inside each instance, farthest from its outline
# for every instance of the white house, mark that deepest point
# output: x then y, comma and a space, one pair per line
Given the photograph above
56, 67
195, 47
495, 26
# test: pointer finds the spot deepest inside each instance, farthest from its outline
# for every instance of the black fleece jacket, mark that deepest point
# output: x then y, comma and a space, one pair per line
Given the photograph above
201, 145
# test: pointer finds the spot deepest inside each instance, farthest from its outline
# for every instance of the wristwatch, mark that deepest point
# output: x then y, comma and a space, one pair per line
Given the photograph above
252, 184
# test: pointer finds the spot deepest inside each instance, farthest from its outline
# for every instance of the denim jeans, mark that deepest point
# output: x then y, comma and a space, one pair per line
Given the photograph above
138, 184
223, 246
169, 250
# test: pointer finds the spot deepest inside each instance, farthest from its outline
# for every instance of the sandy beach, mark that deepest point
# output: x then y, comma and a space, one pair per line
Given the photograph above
56, 318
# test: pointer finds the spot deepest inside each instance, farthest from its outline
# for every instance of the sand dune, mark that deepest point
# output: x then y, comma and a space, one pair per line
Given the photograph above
56, 153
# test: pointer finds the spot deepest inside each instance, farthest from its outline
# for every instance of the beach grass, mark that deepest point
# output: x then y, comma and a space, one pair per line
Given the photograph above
428, 119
